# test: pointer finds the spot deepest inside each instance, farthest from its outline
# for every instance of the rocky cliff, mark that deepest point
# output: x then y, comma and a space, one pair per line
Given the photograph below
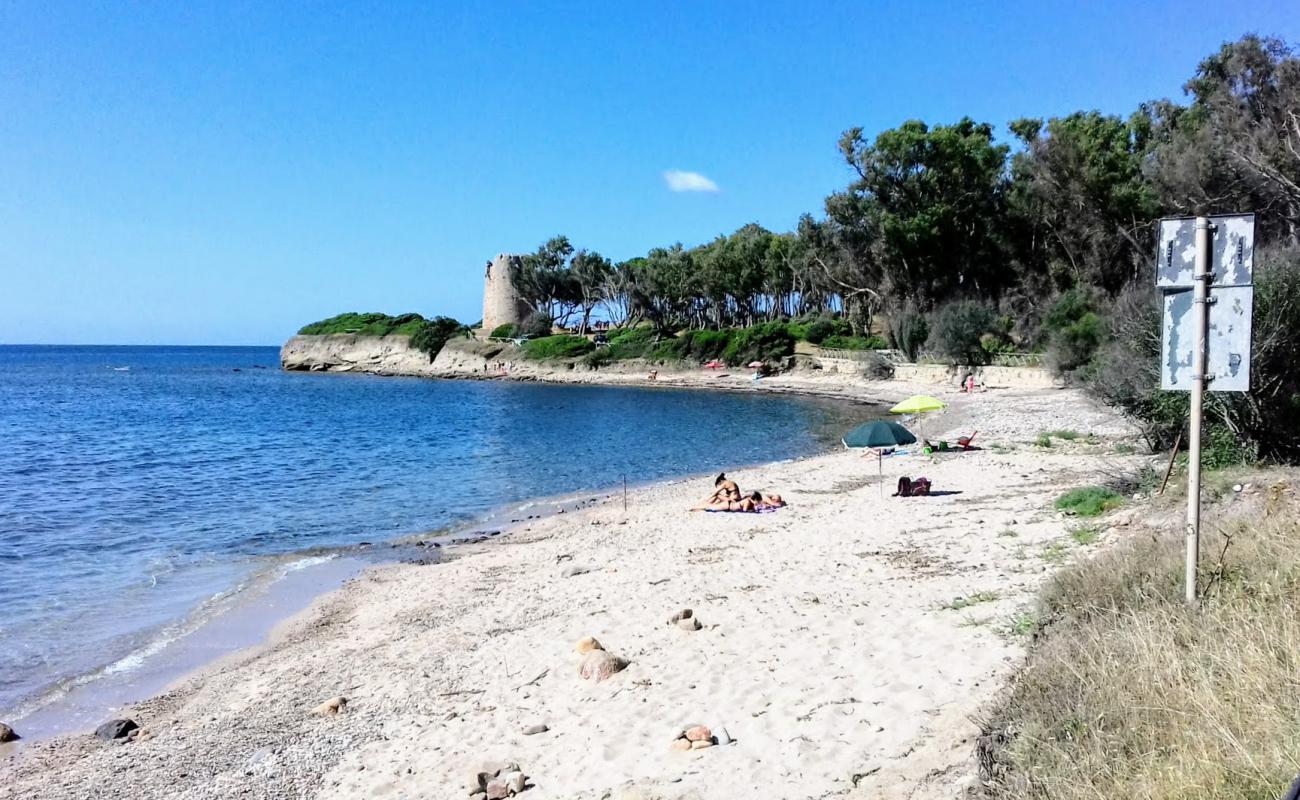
391, 355
382, 355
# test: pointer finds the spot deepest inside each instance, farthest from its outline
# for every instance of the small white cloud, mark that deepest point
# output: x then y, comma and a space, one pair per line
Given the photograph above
682, 181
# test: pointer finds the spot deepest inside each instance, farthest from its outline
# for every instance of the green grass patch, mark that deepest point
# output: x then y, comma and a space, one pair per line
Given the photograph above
1088, 501
1023, 624
556, 347
1085, 534
1007, 533
1063, 435
1043, 440
966, 601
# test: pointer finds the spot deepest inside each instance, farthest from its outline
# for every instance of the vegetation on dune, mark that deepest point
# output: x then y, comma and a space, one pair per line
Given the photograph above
1129, 693
1088, 501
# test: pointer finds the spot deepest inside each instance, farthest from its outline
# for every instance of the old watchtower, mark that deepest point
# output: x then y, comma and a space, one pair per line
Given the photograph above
502, 302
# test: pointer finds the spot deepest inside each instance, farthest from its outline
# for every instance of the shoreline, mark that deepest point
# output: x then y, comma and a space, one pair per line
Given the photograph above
197, 641
433, 658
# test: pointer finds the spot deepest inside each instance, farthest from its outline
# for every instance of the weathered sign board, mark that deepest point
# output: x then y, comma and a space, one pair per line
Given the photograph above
1231, 298
1227, 340
1232, 261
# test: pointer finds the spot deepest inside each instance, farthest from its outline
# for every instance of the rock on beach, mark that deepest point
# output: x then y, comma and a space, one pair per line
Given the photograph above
116, 729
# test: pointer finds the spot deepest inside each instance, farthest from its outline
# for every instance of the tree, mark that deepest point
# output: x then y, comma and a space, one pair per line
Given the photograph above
932, 198
1080, 210
1237, 146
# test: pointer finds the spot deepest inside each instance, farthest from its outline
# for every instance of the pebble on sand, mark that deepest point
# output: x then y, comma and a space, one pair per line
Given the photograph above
8, 734
588, 644
599, 665
116, 729
497, 779
331, 706
533, 730
685, 613
698, 733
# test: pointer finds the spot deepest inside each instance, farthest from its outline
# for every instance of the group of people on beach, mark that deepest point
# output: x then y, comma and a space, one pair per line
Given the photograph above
727, 497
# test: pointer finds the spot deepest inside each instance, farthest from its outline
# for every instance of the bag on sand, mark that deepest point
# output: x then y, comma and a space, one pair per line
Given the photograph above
912, 488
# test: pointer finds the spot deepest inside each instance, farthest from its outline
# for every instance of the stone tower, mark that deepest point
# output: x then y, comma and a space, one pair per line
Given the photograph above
501, 301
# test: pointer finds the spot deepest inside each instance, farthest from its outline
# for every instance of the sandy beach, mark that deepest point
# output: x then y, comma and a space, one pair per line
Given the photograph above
847, 642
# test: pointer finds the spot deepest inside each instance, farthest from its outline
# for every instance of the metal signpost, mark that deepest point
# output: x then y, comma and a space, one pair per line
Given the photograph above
1204, 267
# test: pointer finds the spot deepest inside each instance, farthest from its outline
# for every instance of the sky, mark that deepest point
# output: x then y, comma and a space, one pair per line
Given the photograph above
223, 173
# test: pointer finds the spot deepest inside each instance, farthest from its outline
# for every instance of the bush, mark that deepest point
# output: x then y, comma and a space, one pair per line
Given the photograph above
822, 329
536, 324
372, 324
908, 330
434, 333
1088, 501
956, 331
770, 341
1074, 330
877, 367
1126, 370
600, 357
854, 343
506, 331
632, 343
706, 345
556, 347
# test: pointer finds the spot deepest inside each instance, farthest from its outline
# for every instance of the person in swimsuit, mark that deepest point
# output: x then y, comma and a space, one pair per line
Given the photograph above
724, 489
755, 502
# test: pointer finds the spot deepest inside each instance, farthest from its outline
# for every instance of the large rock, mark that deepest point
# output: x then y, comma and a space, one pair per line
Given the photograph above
8, 734
116, 729
599, 665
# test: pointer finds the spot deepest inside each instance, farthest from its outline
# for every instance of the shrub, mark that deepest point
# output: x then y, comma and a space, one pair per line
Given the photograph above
536, 324
600, 357
956, 330
707, 345
908, 330
770, 341
820, 329
506, 331
854, 343
877, 367
372, 324
1088, 501
433, 334
632, 343
555, 347
1126, 369
1074, 330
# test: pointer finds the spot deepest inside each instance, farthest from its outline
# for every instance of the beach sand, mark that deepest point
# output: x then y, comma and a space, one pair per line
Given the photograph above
829, 651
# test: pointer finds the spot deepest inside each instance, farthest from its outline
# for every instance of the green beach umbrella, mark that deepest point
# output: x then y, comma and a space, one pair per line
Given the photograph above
880, 433
918, 404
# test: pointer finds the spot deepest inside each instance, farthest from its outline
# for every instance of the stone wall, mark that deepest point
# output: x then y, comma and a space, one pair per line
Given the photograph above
502, 303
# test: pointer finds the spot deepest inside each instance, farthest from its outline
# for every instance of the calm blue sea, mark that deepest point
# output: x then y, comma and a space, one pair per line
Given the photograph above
138, 483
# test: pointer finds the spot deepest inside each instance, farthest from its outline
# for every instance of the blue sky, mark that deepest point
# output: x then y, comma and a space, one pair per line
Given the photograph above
222, 173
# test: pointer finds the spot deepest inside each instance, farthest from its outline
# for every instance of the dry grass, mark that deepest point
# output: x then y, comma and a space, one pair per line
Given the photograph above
1129, 694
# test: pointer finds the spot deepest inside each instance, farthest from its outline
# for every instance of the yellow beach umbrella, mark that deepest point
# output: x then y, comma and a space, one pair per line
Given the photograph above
918, 404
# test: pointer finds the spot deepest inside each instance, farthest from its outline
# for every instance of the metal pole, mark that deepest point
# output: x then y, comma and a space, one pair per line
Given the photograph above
1201, 308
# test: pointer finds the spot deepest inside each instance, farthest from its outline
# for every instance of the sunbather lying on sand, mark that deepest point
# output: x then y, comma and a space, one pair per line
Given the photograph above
753, 503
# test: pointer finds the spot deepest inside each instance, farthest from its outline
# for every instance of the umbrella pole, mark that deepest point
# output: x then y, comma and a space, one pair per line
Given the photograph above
880, 471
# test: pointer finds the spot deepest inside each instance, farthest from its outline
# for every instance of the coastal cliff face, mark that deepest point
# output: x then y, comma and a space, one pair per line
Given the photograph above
381, 355
393, 355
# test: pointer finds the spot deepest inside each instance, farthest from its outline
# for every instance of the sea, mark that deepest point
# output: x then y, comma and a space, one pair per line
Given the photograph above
146, 492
